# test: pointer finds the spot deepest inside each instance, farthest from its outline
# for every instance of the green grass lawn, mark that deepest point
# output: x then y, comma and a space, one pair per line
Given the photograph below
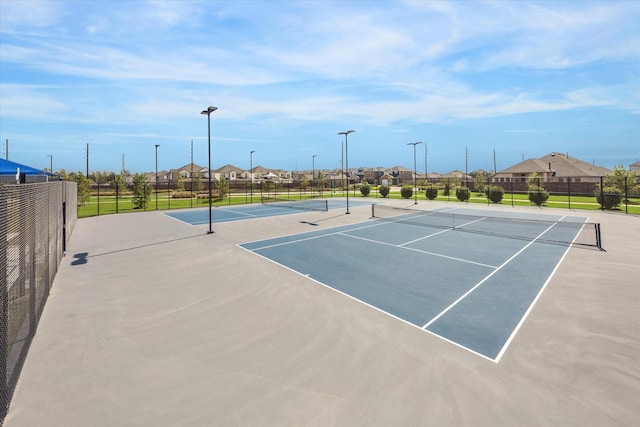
555, 201
109, 205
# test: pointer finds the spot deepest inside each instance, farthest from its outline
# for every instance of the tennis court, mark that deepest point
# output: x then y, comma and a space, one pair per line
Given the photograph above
468, 277
271, 207
166, 324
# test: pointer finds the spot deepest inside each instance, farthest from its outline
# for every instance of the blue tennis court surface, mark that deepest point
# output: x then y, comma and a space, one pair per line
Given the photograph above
242, 212
473, 289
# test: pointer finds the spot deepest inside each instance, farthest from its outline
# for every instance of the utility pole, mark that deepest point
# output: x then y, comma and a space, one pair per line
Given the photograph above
426, 173
466, 166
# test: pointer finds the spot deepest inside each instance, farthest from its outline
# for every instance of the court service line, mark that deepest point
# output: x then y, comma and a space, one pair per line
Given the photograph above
424, 237
343, 233
453, 304
329, 233
237, 212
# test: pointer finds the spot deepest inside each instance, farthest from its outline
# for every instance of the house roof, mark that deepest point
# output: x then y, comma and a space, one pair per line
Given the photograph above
190, 166
561, 164
260, 169
229, 168
398, 168
455, 174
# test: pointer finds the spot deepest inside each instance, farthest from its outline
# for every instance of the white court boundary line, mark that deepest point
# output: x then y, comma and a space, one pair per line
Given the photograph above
424, 328
504, 264
378, 309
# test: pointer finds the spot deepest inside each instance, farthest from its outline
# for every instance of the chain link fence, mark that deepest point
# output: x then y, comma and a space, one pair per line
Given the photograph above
568, 192
36, 220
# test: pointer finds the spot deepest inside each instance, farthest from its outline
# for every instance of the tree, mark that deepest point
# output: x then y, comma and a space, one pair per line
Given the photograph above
180, 183
609, 197
463, 194
615, 186
100, 177
269, 186
119, 185
537, 193
84, 188
196, 183
141, 191
494, 193
320, 182
480, 182
222, 185
622, 179
406, 191
304, 184
384, 190
431, 192
365, 189
63, 175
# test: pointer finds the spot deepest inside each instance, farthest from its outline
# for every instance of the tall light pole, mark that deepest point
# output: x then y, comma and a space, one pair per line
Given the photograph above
50, 163
313, 171
426, 173
157, 145
208, 112
251, 172
415, 189
346, 159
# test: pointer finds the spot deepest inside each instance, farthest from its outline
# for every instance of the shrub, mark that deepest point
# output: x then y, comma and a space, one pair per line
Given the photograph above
463, 194
494, 193
538, 195
384, 190
406, 191
182, 195
611, 198
431, 192
365, 189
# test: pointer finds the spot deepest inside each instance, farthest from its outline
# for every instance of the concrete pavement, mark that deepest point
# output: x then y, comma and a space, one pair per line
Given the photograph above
152, 322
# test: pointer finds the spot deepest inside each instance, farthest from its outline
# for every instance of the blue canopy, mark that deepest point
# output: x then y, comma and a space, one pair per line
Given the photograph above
7, 167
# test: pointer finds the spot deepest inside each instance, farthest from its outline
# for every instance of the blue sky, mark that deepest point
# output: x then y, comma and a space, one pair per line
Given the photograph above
521, 78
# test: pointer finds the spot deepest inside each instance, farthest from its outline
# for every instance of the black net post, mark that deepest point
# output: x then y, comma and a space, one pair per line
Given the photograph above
598, 236
569, 191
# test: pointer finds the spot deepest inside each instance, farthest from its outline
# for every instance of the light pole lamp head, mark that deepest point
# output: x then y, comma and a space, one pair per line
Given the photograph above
346, 132
157, 145
414, 143
209, 110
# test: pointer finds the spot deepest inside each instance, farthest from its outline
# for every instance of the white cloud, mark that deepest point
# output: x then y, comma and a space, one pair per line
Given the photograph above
34, 13
30, 101
395, 64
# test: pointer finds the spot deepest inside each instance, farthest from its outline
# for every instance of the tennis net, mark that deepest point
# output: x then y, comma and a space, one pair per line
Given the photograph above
303, 204
561, 232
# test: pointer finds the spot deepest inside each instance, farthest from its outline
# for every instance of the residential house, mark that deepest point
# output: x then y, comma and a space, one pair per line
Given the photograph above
230, 172
554, 167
